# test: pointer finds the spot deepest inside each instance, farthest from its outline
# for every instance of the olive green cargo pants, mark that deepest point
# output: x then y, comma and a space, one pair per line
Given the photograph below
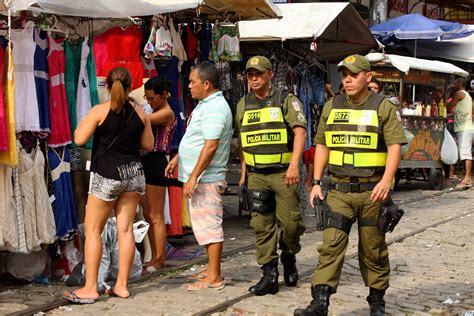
287, 216
373, 252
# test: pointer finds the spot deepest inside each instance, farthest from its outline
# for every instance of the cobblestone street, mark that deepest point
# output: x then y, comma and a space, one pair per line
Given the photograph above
431, 255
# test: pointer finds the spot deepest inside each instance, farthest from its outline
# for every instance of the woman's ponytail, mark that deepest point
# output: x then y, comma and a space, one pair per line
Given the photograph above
119, 82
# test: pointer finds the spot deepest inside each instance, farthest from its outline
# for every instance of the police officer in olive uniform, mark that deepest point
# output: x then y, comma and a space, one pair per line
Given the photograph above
272, 128
359, 138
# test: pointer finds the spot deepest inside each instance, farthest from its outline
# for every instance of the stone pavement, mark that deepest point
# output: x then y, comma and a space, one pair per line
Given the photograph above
427, 269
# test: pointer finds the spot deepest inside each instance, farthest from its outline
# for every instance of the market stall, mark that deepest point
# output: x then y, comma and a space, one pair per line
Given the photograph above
422, 110
46, 97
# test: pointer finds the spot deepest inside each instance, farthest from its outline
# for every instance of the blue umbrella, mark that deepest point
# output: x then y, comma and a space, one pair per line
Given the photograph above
416, 26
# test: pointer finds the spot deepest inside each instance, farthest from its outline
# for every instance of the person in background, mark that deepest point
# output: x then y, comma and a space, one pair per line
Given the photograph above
272, 133
202, 158
461, 108
163, 122
375, 85
120, 129
360, 178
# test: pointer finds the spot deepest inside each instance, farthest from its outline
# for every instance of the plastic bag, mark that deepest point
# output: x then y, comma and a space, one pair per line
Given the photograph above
449, 149
27, 266
108, 270
140, 229
409, 137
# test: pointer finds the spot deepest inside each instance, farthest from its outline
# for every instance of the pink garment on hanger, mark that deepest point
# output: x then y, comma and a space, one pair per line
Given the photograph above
120, 48
60, 125
3, 113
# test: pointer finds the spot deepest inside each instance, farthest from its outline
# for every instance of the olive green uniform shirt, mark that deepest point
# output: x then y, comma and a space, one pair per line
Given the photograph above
392, 128
292, 111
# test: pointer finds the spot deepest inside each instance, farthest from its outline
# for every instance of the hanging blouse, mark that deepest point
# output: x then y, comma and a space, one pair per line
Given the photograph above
178, 47
164, 45
122, 49
26, 102
225, 43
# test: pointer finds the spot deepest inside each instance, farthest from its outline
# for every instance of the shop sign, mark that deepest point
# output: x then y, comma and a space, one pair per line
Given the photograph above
398, 5
415, 76
386, 74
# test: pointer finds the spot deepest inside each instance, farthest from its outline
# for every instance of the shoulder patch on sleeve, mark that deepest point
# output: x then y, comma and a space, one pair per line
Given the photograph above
296, 106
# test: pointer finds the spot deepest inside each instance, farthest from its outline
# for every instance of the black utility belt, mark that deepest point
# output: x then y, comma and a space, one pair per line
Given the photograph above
269, 170
350, 187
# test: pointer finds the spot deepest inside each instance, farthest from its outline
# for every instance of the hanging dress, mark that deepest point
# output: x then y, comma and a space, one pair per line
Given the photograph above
3, 113
10, 156
7, 223
73, 53
26, 171
26, 101
42, 78
45, 225
120, 48
83, 95
60, 127
65, 213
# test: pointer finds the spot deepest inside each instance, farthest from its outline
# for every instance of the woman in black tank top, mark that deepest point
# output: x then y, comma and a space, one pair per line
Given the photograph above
120, 129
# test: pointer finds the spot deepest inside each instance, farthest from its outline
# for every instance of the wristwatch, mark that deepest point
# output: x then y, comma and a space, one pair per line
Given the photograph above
315, 182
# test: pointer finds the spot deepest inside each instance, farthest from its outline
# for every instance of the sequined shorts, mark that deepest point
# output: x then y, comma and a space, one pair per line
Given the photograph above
132, 180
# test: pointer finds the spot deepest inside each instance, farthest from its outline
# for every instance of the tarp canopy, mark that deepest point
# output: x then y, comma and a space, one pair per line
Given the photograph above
338, 28
124, 8
404, 64
417, 26
461, 49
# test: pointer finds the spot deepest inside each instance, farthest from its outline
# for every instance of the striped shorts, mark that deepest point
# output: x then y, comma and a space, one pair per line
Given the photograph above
132, 180
206, 212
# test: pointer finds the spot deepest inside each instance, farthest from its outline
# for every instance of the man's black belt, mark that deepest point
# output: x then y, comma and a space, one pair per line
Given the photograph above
269, 170
350, 187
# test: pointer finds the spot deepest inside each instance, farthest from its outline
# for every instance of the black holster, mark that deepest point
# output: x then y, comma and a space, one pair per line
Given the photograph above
390, 215
321, 210
261, 201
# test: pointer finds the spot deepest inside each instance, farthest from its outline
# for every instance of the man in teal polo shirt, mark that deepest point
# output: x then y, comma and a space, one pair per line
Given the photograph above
202, 160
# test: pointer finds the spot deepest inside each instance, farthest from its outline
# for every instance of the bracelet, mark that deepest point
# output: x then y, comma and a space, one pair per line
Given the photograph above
315, 182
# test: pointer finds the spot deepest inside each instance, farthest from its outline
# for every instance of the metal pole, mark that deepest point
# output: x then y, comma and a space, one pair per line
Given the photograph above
414, 87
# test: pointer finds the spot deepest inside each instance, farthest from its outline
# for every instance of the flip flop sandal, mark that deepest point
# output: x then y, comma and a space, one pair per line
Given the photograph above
204, 285
464, 186
113, 294
198, 276
73, 298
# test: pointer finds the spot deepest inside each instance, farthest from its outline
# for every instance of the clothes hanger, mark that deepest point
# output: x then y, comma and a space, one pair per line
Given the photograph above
227, 21
55, 29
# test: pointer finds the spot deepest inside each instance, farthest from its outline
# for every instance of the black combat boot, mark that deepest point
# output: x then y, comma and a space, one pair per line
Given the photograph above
320, 303
290, 272
376, 302
268, 284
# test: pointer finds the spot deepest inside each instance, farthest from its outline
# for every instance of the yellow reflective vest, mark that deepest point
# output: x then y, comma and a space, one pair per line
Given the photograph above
267, 140
355, 139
